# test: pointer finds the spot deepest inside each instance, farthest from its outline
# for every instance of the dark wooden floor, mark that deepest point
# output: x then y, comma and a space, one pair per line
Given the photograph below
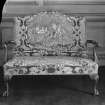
54, 90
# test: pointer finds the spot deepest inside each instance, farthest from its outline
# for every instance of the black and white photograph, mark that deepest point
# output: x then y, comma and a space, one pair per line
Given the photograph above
52, 52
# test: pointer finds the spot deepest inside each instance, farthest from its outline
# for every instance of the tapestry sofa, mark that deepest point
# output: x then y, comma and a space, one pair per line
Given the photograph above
50, 43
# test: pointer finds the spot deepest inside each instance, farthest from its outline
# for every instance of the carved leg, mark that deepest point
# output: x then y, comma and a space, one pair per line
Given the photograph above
6, 83
6, 92
96, 78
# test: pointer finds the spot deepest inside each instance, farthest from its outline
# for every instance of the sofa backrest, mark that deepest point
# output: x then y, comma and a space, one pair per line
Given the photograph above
49, 33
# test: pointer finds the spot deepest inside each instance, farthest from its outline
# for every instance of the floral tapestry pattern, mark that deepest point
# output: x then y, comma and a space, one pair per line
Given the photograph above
58, 65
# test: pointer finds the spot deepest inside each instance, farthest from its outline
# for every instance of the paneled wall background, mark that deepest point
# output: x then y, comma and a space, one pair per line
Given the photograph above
92, 10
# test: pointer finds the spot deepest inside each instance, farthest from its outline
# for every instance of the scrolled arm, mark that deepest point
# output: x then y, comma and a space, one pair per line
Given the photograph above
93, 42
95, 45
10, 42
6, 53
5, 44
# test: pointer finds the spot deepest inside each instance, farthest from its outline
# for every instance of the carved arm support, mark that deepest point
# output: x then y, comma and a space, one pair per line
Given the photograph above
94, 46
6, 45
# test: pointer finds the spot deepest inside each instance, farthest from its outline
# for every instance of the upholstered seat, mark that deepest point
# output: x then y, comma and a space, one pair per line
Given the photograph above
60, 64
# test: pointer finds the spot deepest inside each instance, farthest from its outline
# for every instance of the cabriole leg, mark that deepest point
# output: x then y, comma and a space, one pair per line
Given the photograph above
6, 83
95, 77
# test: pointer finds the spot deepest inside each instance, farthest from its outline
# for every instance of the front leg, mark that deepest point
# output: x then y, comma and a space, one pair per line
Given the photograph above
95, 77
6, 83
6, 91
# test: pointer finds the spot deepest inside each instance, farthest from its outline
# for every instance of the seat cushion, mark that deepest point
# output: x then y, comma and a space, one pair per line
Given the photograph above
49, 65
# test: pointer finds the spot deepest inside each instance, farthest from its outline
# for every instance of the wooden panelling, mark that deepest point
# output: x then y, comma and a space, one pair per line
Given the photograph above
96, 31
78, 7
7, 34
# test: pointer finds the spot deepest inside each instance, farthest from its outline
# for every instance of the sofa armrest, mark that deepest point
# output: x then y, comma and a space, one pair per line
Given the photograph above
10, 42
94, 46
92, 42
8, 45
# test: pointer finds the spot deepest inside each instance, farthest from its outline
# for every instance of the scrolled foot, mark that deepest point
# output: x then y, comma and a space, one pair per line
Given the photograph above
5, 93
96, 92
